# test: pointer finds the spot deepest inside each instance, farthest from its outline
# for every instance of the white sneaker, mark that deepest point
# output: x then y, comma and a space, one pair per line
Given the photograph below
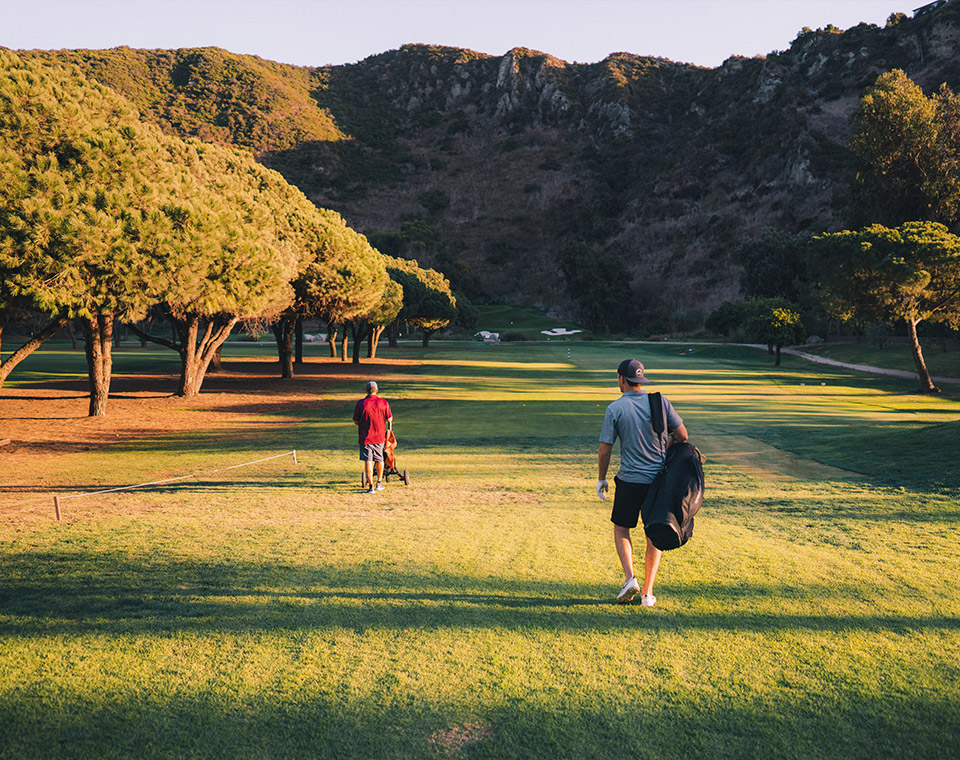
369, 490
648, 600
380, 486
630, 589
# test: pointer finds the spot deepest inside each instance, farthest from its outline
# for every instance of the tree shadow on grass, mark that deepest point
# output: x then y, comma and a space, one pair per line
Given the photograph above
476, 717
81, 593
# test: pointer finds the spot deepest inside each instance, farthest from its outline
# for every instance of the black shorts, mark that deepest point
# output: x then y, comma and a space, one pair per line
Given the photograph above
627, 500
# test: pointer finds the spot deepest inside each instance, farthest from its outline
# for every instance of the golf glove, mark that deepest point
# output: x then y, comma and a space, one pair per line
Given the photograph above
602, 489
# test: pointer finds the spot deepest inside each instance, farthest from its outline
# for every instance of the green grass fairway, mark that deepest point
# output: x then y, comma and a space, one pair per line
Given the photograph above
275, 611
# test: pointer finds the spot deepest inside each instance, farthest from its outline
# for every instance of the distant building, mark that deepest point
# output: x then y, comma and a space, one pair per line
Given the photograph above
924, 9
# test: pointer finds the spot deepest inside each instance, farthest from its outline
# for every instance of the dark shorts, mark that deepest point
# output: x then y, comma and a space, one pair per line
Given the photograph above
627, 500
371, 452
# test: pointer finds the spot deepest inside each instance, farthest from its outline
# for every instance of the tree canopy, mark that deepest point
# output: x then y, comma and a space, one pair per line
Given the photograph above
102, 217
370, 326
85, 196
777, 327
235, 258
908, 274
907, 147
341, 277
738, 319
428, 303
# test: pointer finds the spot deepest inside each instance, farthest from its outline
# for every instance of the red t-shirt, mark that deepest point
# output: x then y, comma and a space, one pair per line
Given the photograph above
371, 414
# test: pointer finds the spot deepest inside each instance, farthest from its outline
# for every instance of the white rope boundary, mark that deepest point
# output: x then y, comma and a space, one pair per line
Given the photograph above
58, 499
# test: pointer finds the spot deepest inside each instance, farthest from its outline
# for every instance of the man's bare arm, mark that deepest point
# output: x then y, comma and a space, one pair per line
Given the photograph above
603, 460
678, 435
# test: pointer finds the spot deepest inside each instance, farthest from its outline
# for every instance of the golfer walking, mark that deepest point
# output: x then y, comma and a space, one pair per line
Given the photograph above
373, 417
642, 452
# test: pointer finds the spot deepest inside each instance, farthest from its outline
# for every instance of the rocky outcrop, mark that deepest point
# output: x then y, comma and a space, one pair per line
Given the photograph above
513, 157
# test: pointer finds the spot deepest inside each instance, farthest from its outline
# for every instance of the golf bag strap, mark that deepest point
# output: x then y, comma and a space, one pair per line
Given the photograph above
657, 417
658, 421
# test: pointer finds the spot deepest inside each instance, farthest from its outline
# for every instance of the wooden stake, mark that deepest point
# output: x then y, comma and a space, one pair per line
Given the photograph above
56, 506
295, 457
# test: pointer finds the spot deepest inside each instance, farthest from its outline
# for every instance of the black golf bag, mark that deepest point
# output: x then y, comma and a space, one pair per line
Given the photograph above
676, 493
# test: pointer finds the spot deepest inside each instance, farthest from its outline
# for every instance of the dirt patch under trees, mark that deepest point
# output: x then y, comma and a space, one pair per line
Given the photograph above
43, 421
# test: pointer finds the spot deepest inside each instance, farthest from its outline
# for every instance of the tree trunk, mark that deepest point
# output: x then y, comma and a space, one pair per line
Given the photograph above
216, 363
373, 341
188, 330
140, 332
283, 330
344, 343
332, 339
777, 362
73, 335
99, 361
426, 337
197, 351
299, 341
360, 331
29, 347
392, 331
926, 382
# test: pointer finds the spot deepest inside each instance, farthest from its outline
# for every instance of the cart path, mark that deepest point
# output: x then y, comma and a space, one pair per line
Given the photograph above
905, 374
863, 367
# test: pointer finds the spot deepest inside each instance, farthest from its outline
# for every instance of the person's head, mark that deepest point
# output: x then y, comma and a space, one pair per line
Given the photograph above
630, 374
372, 388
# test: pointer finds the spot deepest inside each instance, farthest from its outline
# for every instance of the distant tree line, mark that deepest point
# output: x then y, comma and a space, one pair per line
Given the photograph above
107, 221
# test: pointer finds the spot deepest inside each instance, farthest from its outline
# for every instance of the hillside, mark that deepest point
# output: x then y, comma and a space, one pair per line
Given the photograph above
508, 159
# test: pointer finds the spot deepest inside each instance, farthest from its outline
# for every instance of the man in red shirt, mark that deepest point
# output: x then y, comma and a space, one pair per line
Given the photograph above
373, 416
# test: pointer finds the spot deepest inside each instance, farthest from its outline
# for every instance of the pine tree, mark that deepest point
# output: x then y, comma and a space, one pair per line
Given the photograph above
342, 276
81, 186
878, 275
428, 303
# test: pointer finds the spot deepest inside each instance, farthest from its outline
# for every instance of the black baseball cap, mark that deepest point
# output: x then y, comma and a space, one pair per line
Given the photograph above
631, 370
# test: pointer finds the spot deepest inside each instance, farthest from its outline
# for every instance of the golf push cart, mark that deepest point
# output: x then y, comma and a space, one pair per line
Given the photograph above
389, 463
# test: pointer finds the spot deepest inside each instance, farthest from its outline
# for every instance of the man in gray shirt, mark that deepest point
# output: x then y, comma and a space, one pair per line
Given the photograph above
642, 452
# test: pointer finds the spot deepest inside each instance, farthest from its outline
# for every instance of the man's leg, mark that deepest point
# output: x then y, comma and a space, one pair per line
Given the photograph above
379, 473
368, 472
651, 563
621, 538
631, 588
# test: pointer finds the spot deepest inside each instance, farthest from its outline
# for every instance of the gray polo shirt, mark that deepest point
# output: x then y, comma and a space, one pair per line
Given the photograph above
641, 454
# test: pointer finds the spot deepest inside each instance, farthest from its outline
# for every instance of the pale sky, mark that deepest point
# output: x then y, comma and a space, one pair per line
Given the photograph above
319, 32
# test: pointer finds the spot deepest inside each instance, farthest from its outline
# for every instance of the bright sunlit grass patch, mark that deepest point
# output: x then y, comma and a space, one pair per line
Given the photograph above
277, 611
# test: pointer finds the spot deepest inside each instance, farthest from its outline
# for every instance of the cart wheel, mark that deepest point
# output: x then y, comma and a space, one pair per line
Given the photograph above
386, 478
406, 478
